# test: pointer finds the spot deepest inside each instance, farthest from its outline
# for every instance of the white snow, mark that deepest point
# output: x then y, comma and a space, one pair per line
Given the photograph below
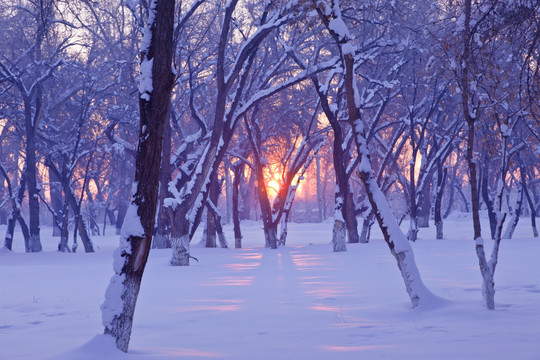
338, 26
145, 80
145, 76
348, 48
113, 304
302, 301
132, 223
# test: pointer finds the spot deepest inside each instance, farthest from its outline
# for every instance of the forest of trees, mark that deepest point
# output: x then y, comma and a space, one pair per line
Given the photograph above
307, 110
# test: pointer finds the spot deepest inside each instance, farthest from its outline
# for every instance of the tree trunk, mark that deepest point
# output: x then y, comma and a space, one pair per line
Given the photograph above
284, 228
413, 206
238, 169
15, 213
366, 228
270, 235
488, 284
34, 242
83, 233
228, 191
351, 222
180, 254
338, 236
320, 201
450, 203
213, 211
56, 201
424, 208
64, 231
532, 206
122, 210
517, 213
339, 231
487, 200
180, 240
136, 238
211, 227
163, 227
393, 236
76, 206
441, 182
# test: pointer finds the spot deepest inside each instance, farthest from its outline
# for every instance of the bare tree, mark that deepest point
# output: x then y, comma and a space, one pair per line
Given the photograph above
155, 88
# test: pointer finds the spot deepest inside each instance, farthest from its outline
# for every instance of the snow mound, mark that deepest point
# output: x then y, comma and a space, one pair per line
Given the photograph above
99, 347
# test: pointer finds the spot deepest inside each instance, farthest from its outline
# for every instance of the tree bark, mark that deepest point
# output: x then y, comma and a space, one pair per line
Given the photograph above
238, 169
320, 199
487, 199
16, 213
34, 242
213, 197
532, 209
424, 207
161, 238
136, 239
517, 213
122, 210
441, 182
367, 223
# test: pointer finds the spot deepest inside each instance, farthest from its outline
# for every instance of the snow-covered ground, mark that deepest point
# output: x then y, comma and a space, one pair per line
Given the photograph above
301, 301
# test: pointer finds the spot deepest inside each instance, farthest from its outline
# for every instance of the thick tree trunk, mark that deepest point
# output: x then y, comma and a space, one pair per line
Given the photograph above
339, 230
136, 239
34, 242
270, 235
338, 236
180, 254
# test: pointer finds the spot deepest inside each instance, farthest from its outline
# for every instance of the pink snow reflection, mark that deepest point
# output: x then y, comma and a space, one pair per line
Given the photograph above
230, 281
326, 292
213, 305
242, 266
249, 256
355, 348
183, 352
306, 261
330, 308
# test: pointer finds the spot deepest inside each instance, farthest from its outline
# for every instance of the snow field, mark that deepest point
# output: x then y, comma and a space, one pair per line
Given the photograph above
301, 301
